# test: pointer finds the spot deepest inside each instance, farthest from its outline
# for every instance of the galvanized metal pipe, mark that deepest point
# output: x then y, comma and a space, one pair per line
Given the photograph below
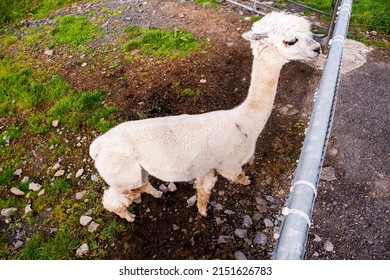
292, 237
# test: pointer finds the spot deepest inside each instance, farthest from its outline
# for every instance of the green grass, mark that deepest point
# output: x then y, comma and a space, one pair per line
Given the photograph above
12, 11
61, 246
191, 93
366, 14
207, 2
74, 31
160, 42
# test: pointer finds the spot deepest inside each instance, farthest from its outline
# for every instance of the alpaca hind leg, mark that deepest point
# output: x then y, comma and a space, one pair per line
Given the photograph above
204, 186
234, 174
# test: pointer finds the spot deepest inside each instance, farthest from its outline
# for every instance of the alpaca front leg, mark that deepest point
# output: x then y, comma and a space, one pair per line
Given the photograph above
204, 186
115, 201
235, 175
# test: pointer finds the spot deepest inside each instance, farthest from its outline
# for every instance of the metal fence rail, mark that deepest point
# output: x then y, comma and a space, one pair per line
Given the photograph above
292, 237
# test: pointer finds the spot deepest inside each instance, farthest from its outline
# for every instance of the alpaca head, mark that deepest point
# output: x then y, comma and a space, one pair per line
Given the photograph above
288, 34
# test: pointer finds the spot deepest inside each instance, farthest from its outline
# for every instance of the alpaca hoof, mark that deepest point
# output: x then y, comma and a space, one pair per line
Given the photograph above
125, 214
130, 217
203, 212
243, 180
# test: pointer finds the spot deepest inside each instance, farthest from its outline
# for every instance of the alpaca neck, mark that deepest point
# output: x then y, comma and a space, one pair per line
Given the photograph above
264, 79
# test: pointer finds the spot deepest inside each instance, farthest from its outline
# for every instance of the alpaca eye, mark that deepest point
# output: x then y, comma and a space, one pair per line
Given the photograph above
292, 42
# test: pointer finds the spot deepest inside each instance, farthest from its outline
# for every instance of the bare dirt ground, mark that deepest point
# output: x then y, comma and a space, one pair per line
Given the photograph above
351, 212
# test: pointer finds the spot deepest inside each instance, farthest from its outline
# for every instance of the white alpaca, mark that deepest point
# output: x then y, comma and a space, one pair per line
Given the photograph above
186, 147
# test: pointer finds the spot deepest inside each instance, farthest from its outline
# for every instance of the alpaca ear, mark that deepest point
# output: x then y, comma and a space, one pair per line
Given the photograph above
252, 36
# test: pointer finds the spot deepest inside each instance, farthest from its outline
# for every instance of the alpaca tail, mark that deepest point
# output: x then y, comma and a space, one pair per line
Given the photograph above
95, 148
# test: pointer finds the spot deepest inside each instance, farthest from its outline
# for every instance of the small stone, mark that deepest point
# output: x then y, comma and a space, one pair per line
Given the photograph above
333, 152
79, 172
92, 226
257, 216
49, 52
84, 64
34, 187
241, 233
261, 201
247, 221
218, 206
317, 238
261, 238
18, 172
328, 174
219, 221
80, 195
238, 255
56, 166
27, 208
228, 212
25, 179
163, 188
172, 187
328, 246
203, 81
316, 254
7, 212
84, 220
17, 191
191, 201
268, 222
42, 192
175, 227
83, 249
224, 239
270, 198
18, 244
89, 212
59, 173
55, 123
230, 44
94, 178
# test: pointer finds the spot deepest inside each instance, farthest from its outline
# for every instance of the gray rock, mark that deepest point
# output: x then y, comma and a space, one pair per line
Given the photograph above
42, 192
317, 238
17, 191
92, 226
83, 249
7, 212
224, 239
261, 201
228, 212
247, 221
49, 52
268, 222
27, 208
80, 195
34, 187
18, 244
172, 187
25, 179
219, 221
191, 201
218, 207
238, 255
95, 178
241, 233
328, 246
261, 238
59, 173
175, 227
270, 198
56, 166
79, 172
18, 172
84, 220
163, 188
328, 174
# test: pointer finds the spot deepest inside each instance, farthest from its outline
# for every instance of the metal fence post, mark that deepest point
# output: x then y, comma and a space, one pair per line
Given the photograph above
292, 237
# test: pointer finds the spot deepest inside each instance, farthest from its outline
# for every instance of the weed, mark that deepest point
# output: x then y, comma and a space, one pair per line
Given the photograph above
60, 246
207, 2
161, 42
191, 93
74, 31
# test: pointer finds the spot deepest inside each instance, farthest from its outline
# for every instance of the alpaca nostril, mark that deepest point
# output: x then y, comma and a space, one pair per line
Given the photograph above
318, 50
